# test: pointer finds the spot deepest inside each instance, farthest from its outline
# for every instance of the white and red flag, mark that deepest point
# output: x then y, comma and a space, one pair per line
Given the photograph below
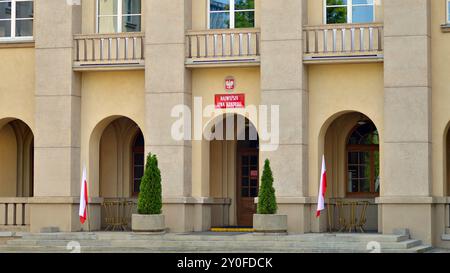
322, 188
83, 197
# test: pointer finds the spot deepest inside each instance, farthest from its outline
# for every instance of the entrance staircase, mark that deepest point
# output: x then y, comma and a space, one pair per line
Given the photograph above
108, 242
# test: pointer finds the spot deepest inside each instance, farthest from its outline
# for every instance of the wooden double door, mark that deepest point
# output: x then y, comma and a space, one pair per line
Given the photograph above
247, 185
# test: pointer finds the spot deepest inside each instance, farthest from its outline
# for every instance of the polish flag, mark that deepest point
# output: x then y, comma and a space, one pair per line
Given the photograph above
322, 188
83, 198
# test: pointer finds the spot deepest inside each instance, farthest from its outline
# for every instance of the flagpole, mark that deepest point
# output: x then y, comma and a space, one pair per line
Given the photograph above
88, 216
87, 206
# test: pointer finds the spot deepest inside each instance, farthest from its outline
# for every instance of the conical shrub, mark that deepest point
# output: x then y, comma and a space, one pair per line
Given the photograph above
150, 195
267, 203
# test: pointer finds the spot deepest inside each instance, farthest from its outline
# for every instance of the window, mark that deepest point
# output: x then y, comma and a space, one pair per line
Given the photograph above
16, 19
349, 11
138, 162
231, 14
448, 11
118, 16
363, 161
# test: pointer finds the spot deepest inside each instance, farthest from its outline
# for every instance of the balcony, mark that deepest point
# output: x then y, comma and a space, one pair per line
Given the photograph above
343, 43
118, 51
216, 48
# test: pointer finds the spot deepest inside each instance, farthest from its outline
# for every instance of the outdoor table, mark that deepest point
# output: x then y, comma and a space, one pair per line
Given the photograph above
347, 213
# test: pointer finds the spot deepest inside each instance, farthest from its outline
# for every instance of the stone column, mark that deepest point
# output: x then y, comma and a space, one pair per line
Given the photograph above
283, 83
57, 136
167, 84
405, 191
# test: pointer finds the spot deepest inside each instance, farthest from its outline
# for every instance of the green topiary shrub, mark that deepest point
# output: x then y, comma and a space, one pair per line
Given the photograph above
150, 196
267, 202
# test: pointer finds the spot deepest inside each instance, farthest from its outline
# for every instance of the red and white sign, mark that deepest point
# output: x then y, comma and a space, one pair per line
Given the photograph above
254, 174
229, 101
229, 84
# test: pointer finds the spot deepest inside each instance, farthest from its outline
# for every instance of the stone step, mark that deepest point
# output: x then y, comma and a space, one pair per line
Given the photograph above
445, 237
60, 236
27, 242
211, 243
215, 244
252, 237
279, 245
92, 249
208, 237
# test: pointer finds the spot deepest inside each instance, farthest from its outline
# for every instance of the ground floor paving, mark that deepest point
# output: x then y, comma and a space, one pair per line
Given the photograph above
209, 242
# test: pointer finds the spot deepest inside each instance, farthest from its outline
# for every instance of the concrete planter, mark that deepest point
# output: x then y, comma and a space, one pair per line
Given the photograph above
270, 223
148, 223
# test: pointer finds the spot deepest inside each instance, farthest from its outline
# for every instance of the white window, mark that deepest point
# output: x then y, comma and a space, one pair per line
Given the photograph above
448, 11
118, 16
16, 19
349, 11
231, 14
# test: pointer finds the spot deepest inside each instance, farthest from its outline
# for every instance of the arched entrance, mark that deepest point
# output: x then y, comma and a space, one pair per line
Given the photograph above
352, 154
117, 166
16, 159
234, 169
16, 174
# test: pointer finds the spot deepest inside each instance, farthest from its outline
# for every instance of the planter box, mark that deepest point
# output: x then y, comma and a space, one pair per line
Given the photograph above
270, 223
148, 223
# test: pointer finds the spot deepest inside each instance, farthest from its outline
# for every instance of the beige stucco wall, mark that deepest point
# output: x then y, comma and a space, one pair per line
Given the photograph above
107, 96
17, 84
208, 82
440, 68
440, 60
337, 89
316, 12
8, 162
200, 14
16, 102
223, 174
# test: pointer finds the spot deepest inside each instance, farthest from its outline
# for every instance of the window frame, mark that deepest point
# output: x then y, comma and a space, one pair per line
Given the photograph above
349, 11
447, 14
136, 150
119, 16
371, 149
14, 20
232, 11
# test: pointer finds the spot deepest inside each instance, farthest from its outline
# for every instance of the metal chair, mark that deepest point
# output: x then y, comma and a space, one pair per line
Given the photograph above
117, 214
362, 217
340, 205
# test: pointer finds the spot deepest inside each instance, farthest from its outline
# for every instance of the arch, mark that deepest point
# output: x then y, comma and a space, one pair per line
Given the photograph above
326, 124
16, 158
349, 160
238, 118
120, 132
231, 162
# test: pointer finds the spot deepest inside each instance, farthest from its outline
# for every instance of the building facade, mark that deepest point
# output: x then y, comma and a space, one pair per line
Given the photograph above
101, 83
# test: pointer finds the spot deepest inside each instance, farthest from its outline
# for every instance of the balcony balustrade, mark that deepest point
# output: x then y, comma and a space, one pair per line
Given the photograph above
343, 43
109, 51
223, 47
